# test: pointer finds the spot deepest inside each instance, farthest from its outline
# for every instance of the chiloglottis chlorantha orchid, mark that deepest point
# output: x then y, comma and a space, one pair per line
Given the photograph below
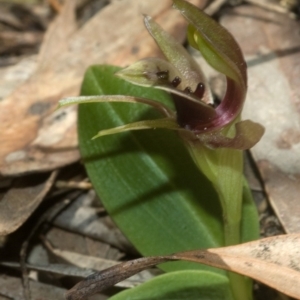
195, 117
214, 135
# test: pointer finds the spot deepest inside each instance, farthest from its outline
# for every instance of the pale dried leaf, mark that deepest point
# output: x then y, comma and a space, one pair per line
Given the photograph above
283, 190
21, 112
22, 199
7, 17
271, 43
38, 255
33, 136
13, 76
57, 37
11, 288
66, 240
55, 269
81, 217
98, 264
274, 261
13, 40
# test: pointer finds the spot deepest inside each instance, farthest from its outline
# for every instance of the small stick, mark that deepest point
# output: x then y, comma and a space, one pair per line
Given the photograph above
272, 7
51, 213
83, 185
214, 7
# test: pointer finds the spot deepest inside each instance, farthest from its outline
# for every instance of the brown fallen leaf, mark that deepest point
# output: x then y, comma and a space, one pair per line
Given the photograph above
8, 18
81, 244
13, 76
22, 199
20, 123
271, 43
11, 40
53, 269
97, 264
283, 190
274, 261
34, 137
81, 217
11, 288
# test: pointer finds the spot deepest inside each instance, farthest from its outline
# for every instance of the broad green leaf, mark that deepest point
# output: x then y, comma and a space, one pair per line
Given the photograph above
146, 180
180, 285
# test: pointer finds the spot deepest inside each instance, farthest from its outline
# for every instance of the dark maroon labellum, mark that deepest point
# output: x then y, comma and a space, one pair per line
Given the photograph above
188, 112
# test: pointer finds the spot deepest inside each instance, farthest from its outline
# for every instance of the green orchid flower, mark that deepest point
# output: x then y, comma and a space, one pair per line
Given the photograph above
181, 76
205, 127
195, 117
213, 134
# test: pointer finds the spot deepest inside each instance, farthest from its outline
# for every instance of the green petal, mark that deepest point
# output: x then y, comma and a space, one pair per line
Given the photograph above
216, 44
166, 123
190, 72
159, 73
116, 98
149, 72
247, 134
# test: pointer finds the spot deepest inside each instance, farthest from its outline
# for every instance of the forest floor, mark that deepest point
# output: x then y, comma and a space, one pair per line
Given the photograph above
54, 231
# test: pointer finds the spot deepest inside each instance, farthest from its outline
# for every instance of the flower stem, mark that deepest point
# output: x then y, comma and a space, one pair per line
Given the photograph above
224, 168
240, 286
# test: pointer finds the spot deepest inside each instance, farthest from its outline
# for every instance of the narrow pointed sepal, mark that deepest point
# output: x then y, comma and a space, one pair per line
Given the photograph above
162, 75
188, 70
247, 134
166, 123
149, 72
222, 52
216, 44
118, 98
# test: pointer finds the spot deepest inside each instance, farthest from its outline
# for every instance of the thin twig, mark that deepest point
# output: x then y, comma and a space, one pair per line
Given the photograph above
49, 214
214, 7
23, 251
83, 185
272, 7
99, 281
